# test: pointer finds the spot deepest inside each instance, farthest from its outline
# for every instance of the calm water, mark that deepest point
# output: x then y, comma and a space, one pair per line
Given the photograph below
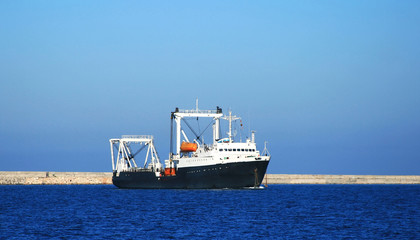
278, 212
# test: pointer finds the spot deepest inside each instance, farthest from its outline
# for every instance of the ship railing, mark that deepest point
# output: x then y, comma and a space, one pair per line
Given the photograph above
197, 111
138, 136
135, 169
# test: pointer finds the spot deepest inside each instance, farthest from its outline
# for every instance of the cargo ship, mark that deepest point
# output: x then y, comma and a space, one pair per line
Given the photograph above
224, 163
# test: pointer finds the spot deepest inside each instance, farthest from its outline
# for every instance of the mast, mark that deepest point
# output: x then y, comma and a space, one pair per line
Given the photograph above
230, 118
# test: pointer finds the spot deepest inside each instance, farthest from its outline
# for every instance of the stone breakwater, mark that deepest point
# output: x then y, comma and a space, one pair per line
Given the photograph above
55, 178
340, 179
82, 178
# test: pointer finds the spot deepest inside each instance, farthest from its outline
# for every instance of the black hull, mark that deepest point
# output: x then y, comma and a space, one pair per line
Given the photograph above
231, 175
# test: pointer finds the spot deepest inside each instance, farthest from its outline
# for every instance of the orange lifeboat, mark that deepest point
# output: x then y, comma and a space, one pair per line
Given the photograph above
188, 147
170, 172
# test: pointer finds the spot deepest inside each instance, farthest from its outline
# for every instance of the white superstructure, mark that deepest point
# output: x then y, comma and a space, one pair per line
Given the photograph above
220, 151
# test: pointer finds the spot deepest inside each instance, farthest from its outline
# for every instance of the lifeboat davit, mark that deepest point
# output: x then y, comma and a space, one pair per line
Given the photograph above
188, 147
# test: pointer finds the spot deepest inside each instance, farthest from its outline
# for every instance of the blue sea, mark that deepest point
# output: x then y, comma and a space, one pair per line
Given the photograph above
277, 212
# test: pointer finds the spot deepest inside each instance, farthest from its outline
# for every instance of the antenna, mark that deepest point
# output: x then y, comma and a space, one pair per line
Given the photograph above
196, 104
249, 124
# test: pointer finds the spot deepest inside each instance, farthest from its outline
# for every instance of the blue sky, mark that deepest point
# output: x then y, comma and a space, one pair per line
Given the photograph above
333, 86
